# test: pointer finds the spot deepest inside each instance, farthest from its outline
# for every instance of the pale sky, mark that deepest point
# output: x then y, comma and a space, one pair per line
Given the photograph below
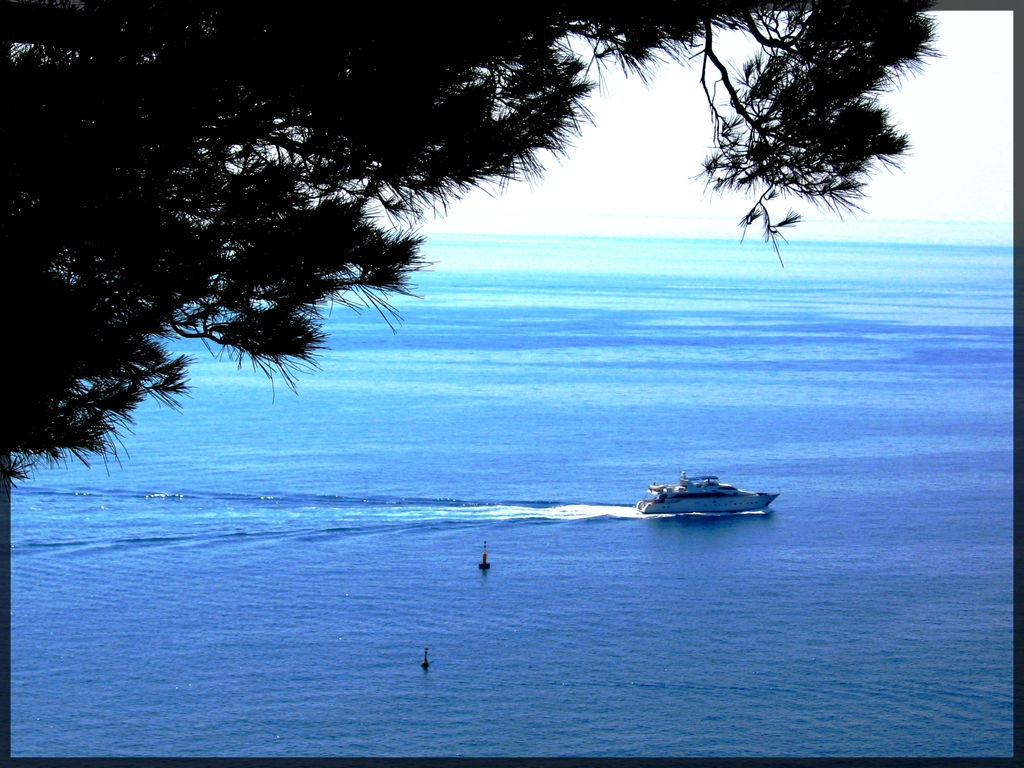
631, 173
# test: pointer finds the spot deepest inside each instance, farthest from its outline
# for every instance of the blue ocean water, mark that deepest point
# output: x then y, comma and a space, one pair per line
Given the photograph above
261, 574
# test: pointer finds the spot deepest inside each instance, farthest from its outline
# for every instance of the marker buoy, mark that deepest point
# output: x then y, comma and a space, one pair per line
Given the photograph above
483, 565
425, 663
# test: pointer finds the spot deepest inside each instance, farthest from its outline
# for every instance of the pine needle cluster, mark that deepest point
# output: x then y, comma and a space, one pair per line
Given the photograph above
201, 169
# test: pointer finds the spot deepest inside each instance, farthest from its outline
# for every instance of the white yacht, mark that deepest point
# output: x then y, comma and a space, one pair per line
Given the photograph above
700, 494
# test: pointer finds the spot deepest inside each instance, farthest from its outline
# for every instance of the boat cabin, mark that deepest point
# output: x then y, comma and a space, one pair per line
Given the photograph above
702, 484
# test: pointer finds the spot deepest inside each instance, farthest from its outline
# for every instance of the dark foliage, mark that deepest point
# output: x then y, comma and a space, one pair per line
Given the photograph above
202, 169
802, 115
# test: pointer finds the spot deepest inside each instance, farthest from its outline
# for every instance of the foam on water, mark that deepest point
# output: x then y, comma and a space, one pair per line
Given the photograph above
579, 511
765, 511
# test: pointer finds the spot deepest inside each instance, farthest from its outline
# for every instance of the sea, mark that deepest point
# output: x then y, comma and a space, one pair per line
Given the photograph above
261, 573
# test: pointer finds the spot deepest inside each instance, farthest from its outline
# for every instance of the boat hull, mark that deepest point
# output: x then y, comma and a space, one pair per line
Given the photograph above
711, 502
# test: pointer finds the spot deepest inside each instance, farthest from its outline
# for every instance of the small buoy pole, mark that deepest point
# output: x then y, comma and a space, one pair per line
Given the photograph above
483, 565
425, 663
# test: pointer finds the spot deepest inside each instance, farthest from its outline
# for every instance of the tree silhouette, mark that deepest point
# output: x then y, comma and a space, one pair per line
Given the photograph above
199, 169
